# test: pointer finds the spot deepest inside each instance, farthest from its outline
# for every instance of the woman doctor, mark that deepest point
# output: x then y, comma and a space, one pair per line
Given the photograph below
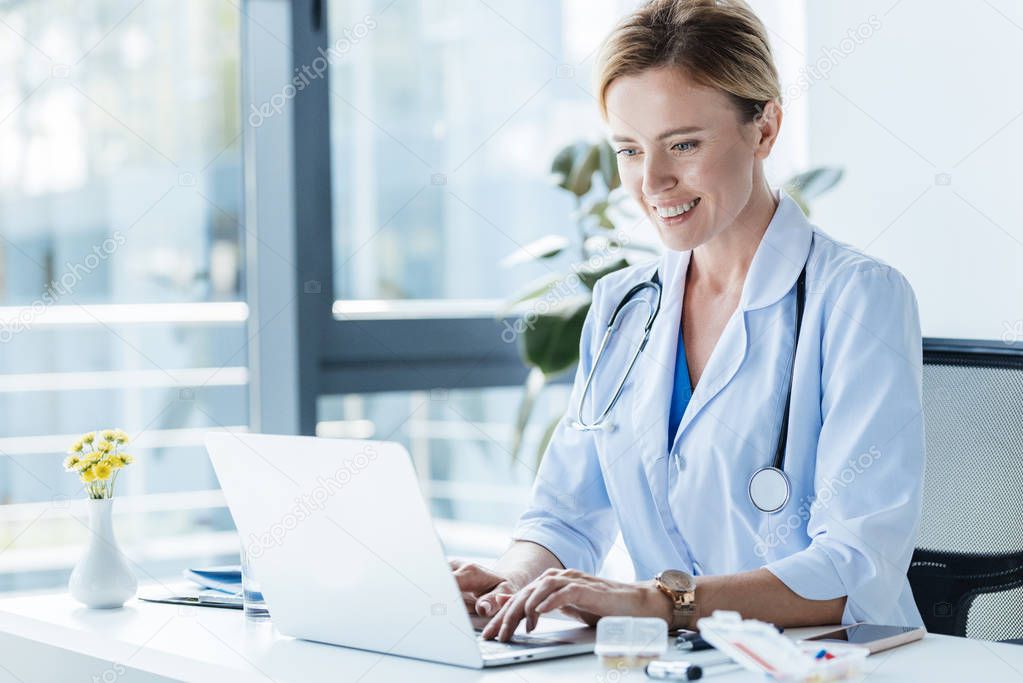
691, 96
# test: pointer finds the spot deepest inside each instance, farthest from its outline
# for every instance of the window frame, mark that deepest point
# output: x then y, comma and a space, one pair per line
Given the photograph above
340, 354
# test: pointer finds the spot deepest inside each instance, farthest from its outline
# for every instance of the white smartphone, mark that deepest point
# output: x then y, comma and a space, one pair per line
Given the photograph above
871, 636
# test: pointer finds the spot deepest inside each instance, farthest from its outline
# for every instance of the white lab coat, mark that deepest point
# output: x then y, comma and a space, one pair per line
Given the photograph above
855, 452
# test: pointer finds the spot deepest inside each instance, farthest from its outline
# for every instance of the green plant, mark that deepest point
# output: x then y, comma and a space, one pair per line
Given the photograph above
548, 332
556, 305
808, 185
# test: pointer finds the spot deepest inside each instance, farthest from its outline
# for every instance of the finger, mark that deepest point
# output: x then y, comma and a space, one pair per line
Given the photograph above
492, 627
572, 595
513, 613
475, 579
535, 592
489, 602
544, 588
469, 599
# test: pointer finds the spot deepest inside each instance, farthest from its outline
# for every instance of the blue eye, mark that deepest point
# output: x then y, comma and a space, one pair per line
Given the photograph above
627, 152
691, 145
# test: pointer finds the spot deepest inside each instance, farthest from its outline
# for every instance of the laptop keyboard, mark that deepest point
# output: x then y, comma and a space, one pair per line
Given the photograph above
493, 647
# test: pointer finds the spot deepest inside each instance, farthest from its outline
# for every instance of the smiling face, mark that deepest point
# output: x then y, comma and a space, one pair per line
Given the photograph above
685, 156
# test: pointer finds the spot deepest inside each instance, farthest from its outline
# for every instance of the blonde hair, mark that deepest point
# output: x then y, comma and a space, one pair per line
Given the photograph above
719, 43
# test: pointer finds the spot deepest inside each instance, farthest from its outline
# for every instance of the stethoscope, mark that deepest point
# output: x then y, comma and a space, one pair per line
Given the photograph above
769, 487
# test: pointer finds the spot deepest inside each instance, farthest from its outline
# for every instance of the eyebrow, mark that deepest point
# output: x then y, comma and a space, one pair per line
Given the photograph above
667, 134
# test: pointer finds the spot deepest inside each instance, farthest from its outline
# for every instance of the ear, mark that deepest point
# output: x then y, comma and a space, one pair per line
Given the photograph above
768, 125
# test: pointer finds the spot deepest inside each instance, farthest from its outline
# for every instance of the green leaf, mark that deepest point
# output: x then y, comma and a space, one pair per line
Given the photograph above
581, 179
550, 341
601, 242
535, 383
589, 275
545, 247
797, 196
534, 290
561, 167
596, 207
609, 166
815, 182
548, 434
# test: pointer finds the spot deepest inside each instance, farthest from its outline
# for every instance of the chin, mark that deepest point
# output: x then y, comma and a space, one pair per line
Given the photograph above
680, 240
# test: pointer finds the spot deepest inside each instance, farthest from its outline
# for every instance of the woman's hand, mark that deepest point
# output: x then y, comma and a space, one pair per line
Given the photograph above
484, 591
587, 598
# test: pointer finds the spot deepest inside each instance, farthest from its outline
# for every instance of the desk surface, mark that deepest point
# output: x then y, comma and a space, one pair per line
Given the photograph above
52, 638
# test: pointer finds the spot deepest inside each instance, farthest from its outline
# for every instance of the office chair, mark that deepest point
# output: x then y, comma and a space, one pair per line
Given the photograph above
967, 569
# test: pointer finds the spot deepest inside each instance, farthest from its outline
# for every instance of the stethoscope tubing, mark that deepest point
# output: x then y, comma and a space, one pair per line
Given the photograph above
769, 487
601, 423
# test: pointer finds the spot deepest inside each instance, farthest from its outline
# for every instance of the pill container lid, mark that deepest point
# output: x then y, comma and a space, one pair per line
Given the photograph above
757, 646
623, 636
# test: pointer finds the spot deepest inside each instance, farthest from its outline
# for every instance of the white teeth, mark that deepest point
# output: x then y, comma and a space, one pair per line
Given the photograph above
670, 212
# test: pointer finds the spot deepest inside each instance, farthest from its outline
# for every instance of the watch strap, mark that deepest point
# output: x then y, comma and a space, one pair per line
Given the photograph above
682, 606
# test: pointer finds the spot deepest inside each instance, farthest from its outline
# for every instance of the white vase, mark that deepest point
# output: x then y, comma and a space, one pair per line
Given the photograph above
102, 578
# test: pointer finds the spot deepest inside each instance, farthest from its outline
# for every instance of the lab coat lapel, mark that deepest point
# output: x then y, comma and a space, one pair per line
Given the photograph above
724, 362
657, 369
772, 274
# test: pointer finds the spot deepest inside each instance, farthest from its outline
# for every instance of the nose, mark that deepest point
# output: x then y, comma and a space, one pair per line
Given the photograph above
658, 175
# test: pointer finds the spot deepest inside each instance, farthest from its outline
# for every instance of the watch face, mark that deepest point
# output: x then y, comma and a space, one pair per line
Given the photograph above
676, 581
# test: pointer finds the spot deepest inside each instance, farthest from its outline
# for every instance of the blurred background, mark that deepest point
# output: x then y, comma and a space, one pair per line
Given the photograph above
311, 217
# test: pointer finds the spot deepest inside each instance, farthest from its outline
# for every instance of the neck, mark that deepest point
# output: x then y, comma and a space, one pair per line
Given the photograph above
721, 264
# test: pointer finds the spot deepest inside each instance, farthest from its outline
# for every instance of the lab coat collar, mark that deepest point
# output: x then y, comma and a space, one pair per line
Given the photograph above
780, 256
776, 265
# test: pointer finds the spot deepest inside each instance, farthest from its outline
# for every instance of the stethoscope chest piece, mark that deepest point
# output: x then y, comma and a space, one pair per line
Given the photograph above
769, 489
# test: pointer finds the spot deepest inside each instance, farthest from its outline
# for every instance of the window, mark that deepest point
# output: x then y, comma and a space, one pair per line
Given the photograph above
444, 119
461, 445
121, 273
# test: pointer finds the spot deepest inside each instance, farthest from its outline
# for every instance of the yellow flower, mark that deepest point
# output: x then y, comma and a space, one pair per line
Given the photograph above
120, 436
88, 475
76, 447
102, 470
126, 459
88, 437
107, 434
104, 446
70, 462
114, 461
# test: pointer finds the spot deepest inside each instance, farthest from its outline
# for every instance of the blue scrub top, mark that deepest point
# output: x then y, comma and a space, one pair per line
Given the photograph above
682, 391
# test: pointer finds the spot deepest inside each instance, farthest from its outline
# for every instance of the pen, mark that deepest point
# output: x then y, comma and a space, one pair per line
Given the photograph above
674, 671
682, 671
691, 641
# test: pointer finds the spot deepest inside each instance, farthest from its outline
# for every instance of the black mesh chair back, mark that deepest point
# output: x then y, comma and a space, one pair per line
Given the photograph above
967, 570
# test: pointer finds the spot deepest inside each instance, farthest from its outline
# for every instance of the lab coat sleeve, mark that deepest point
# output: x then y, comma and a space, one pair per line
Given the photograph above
870, 455
570, 513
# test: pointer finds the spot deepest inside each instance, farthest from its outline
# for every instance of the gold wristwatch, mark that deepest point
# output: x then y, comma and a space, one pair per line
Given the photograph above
680, 588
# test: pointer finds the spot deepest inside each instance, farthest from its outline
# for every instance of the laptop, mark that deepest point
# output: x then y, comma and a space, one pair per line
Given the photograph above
341, 541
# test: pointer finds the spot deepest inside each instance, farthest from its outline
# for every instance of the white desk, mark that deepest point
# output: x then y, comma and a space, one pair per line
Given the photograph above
51, 638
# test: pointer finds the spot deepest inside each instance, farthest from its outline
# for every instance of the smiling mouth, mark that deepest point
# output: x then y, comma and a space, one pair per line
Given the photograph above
666, 213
